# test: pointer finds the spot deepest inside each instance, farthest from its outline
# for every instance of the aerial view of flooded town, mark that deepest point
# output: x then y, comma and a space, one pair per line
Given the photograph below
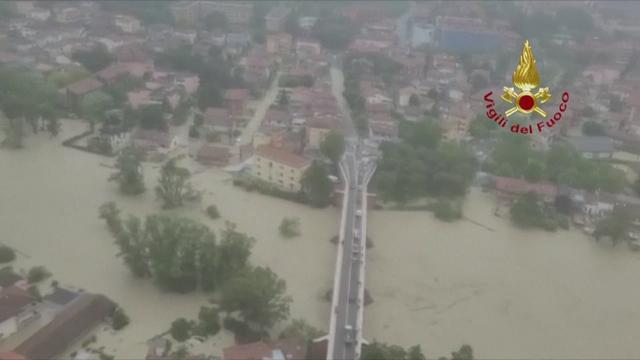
311, 180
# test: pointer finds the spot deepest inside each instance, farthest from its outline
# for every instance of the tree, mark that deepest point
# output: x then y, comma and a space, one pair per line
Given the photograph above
528, 212
478, 81
129, 175
333, 146
233, 254
289, 227
94, 106
592, 128
333, 31
37, 274
7, 254
209, 321
283, 100
111, 214
119, 319
259, 297
300, 329
615, 103
446, 211
174, 187
482, 128
212, 212
216, 21
152, 117
94, 59
614, 226
534, 171
464, 353
181, 329
316, 185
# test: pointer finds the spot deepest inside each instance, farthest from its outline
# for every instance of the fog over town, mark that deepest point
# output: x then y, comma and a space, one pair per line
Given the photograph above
311, 180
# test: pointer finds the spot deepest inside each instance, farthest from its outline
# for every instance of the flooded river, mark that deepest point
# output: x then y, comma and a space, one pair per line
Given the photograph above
508, 293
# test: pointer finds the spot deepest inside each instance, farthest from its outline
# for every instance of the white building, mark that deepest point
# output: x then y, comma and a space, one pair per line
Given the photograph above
421, 34
128, 24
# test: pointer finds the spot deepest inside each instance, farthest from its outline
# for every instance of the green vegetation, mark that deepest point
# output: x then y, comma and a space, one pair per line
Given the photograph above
174, 187
179, 253
482, 128
614, 226
290, 81
333, 146
335, 32
7, 254
317, 188
94, 107
216, 21
562, 164
529, 212
447, 211
27, 98
289, 227
421, 165
209, 321
181, 329
381, 351
37, 274
258, 295
212, 212
119, 319
300, 329
129, 175
67, 76
94, 59
592, 128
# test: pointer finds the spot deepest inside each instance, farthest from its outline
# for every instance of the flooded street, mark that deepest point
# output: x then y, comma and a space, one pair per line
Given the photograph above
508, 293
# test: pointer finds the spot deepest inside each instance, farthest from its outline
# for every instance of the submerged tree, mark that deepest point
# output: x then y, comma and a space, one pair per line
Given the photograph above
333, 146
129, 175
174, 187
316, 185
258, 295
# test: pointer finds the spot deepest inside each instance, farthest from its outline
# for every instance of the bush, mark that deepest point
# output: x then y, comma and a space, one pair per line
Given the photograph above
119, 319
209, 321
37, 274
181, 329
213, 212
6, 254
241, 330
290, 227
33, 290
445, 211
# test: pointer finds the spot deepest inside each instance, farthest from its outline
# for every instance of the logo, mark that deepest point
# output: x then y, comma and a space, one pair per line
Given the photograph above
526, 102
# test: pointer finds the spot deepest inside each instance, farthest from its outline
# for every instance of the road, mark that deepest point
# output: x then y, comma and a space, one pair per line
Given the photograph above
258, 115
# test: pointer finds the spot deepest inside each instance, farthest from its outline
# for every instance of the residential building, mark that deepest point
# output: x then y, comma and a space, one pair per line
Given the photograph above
307, 22
280, 167
128, 24
308, 48
317, 129
154, 141
237, 12
422, 34
276, 18
509, 188
73, 322
213, 155
593, 147
287, 349
279, 43
456, 34
79, 89
235, 101
186, 12
17, 308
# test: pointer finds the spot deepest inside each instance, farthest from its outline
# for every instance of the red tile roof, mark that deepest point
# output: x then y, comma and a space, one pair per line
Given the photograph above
84, 86
111, 72
253, 351
10, 355
12, 301
282, 156
519, 186
236, 94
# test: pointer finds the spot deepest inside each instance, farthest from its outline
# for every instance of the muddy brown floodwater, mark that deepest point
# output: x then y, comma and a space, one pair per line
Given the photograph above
507, 292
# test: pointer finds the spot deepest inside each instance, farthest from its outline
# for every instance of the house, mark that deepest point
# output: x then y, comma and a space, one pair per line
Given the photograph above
510, 188
237, 12
593, 205
601, 75
112, 73
218, 120
235, 101
60, 297
213, 155
280, 167
279, 43
308, 48
73, 322
276, 117
186, 12
456, 34
286, 349
422, 34
17, 308
79, 89
383, 131
593, 147
128, 24
276, 18
317, 129
154, 141
404, 95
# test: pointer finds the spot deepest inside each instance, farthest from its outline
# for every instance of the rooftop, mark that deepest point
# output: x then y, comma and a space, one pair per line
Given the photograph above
592, 144
282, 156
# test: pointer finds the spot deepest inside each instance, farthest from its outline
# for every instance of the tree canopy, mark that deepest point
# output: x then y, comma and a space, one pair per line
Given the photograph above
94, 59
333, 146
316, 185
129, 175
174, 187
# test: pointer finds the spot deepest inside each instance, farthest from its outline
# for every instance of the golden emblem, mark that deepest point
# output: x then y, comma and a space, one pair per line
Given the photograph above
526, 78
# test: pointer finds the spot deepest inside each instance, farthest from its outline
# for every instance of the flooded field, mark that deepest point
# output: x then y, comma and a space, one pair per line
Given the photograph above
48, 211
508, 293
